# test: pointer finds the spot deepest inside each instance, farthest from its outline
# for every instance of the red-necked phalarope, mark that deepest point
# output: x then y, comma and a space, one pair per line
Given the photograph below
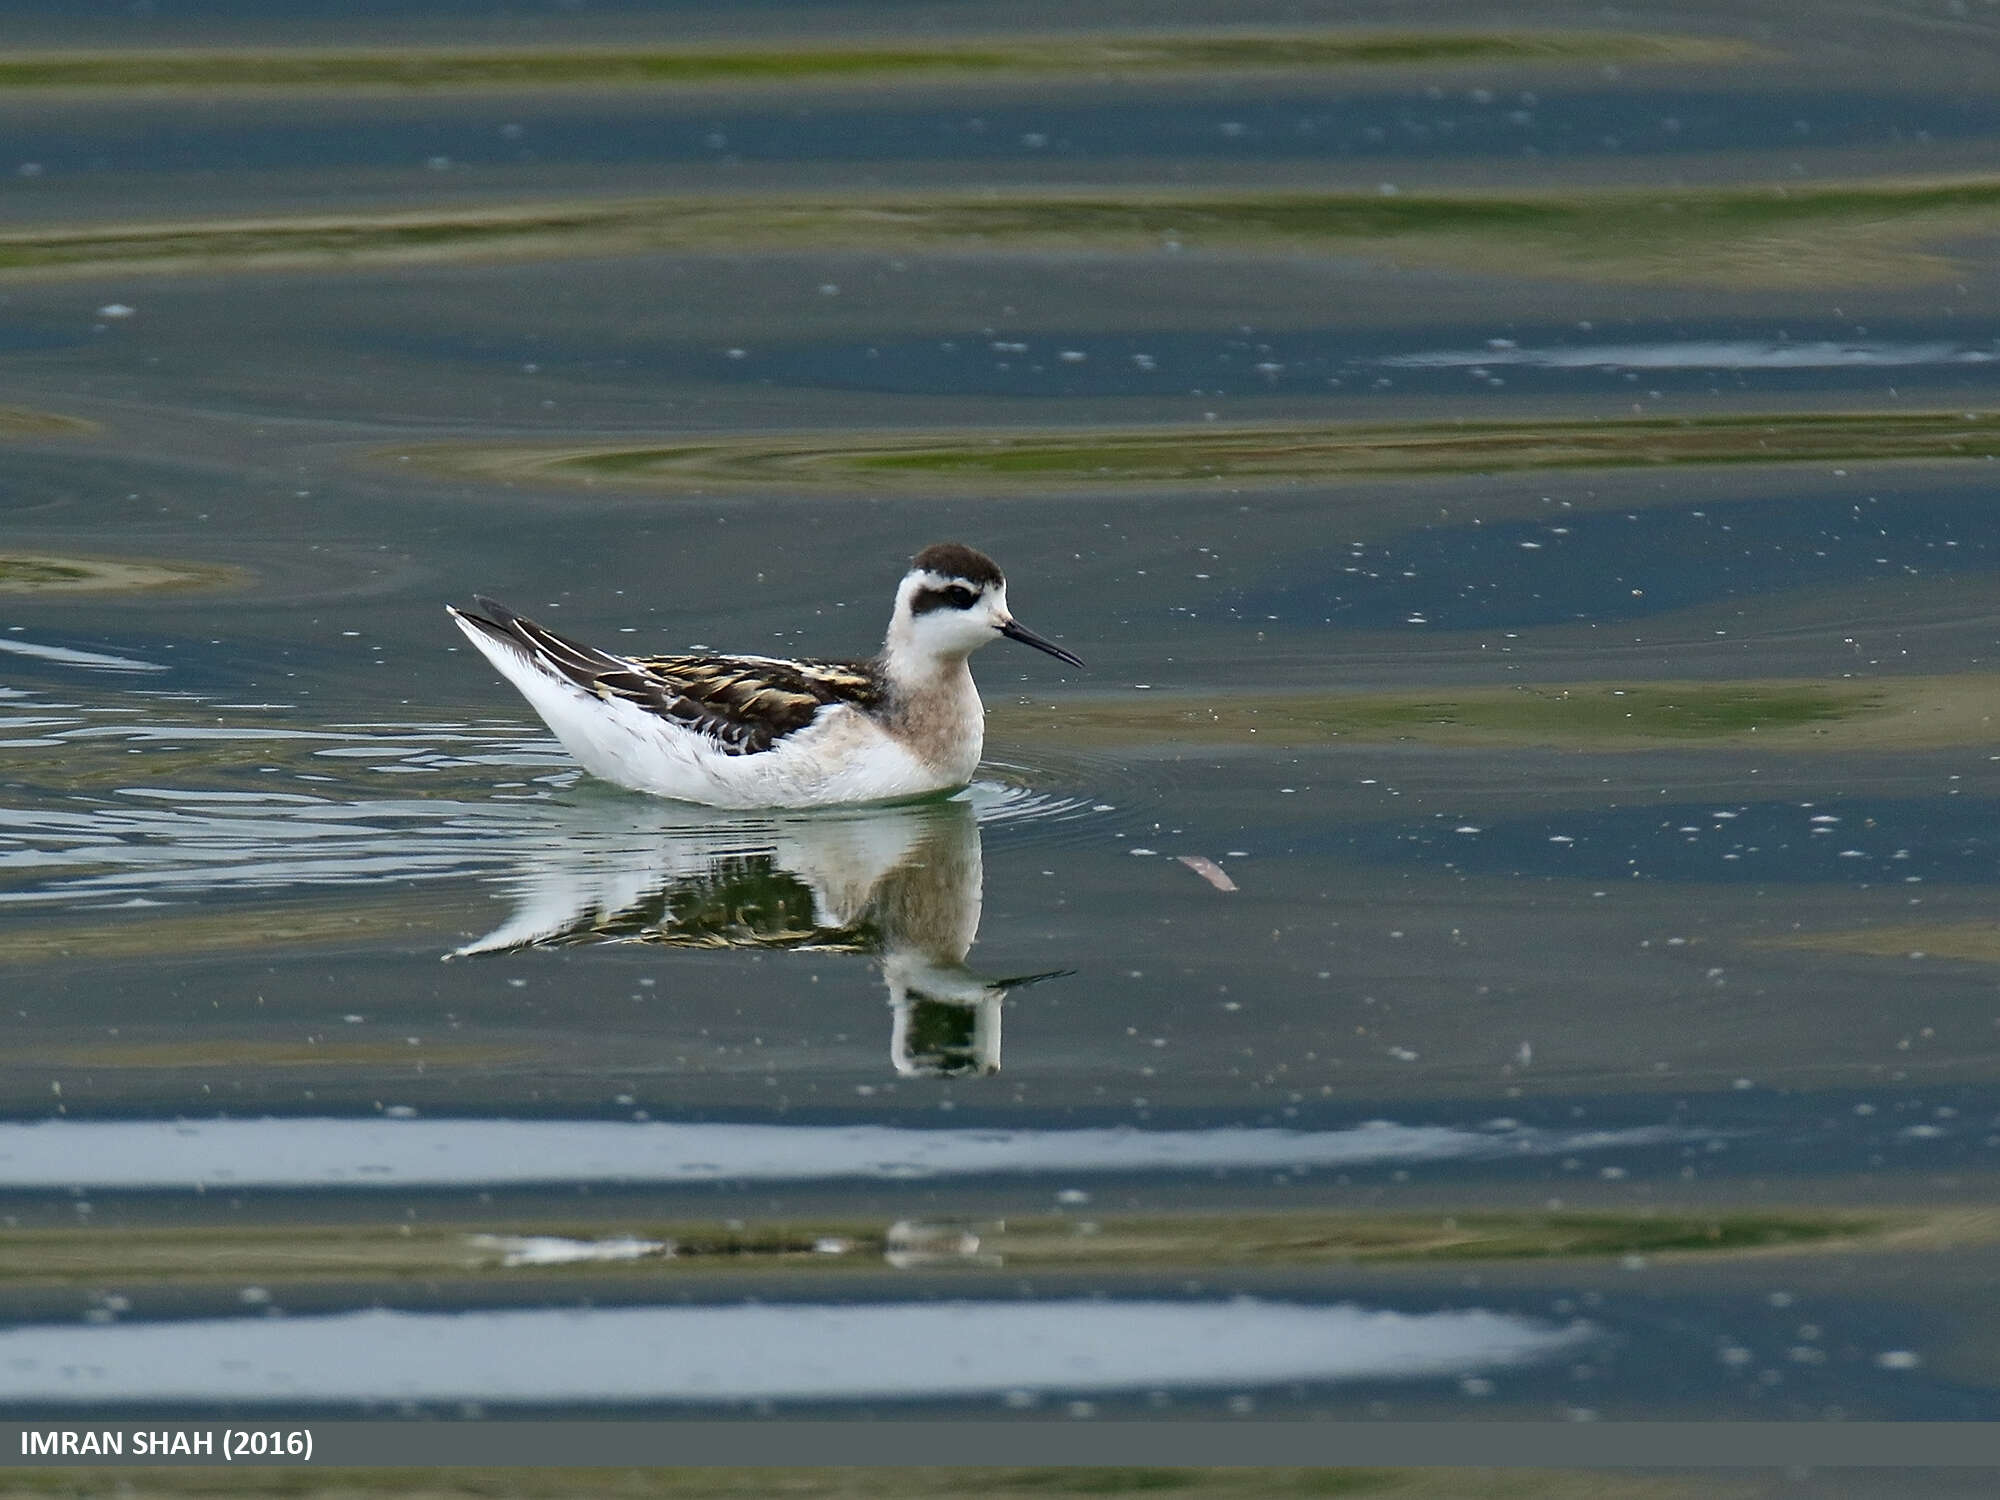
766, 731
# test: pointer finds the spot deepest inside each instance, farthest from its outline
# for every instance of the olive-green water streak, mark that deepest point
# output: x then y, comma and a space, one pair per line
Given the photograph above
1030, 461
867, 62
1803, 235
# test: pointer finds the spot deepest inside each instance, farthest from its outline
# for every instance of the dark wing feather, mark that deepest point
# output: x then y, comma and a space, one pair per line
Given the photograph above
750, 703
746, 704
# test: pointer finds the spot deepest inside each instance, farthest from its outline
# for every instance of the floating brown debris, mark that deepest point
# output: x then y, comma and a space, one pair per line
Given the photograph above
1208, 870
26, 422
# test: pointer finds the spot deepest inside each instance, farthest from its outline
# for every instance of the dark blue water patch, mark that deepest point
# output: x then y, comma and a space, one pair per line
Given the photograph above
1770, 1355
1625, 565
99, 492
1174, 121
1652, 359
43, 658
1729, 1134
1647, 358
1835, 841
122, 18
34, 338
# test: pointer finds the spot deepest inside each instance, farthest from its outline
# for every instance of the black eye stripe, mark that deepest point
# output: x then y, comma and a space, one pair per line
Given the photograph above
953, 596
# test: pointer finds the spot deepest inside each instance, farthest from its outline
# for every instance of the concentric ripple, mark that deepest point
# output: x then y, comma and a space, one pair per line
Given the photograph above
161, 799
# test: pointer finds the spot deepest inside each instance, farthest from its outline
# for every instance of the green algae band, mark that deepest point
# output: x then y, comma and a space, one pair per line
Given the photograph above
651, 66
1796, 235
1788, 715
304, 1253
1577, 716
1179, 458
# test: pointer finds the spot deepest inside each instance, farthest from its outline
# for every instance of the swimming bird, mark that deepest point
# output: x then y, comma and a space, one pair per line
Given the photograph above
768, 731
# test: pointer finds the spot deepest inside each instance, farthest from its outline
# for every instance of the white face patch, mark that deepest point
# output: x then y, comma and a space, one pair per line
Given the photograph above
944, 618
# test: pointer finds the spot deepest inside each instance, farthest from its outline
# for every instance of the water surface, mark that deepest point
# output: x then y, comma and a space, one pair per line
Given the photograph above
309, 927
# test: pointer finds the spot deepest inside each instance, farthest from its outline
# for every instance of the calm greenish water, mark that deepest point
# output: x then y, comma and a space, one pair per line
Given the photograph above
308, 928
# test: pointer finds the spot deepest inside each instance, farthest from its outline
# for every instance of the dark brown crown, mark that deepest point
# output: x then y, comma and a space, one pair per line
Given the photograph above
955, 560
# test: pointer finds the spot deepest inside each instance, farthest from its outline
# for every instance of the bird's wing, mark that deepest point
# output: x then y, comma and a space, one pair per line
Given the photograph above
745, 704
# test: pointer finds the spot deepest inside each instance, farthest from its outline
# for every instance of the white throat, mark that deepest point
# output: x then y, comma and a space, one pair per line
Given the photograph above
933, 701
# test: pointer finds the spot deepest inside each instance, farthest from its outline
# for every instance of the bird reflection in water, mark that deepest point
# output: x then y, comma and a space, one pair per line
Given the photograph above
900, 884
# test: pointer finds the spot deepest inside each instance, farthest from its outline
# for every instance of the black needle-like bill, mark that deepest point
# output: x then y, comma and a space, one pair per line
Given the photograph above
1015, 631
